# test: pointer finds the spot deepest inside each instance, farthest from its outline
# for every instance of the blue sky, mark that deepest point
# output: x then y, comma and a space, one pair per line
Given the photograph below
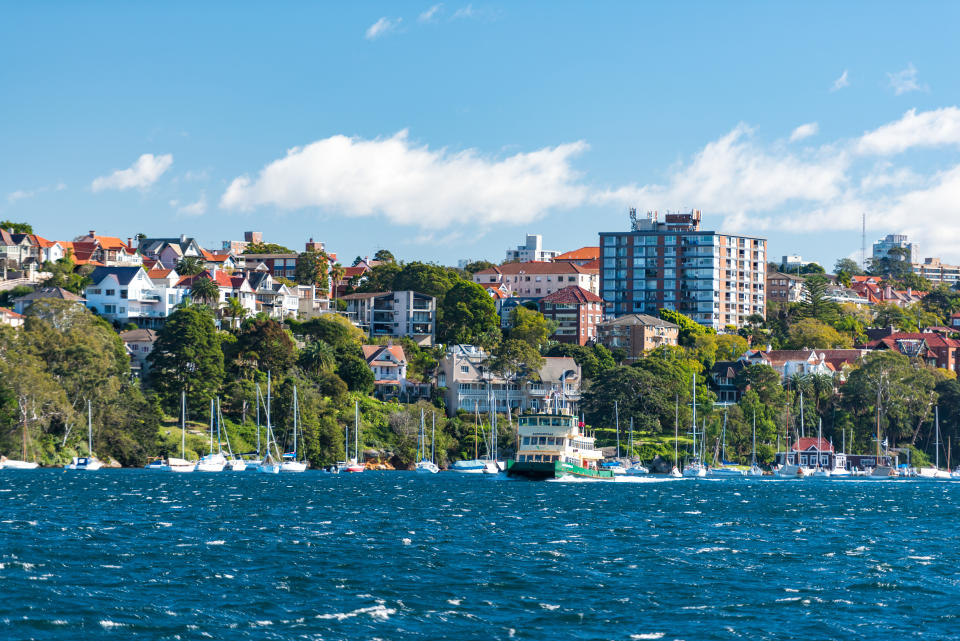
450, 133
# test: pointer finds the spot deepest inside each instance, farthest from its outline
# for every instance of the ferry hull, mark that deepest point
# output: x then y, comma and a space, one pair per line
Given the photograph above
555, 470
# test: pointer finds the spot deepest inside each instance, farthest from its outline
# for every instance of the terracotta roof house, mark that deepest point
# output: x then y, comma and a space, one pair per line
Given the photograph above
109, 251
789, 362
10, 317
389, 366
932, 348
576, 311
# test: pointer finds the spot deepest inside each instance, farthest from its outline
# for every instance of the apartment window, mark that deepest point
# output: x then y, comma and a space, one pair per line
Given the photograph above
123, 293
95, 292
111, 292
465, 369
571, 279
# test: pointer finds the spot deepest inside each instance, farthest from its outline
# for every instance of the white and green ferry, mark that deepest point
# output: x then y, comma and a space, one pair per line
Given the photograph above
554, 445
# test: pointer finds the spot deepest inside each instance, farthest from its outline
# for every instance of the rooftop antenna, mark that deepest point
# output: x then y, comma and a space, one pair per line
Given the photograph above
863, 240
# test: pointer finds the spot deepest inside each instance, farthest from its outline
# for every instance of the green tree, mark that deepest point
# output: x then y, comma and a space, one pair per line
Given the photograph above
730, 347
813, 334
63, 274
16, 228
313, 269
190, 266
531, 327
267, 248
816, 303
318, 357
187, 356
466, 314
384, 256
265, 343
234, 310
356, 374
205, 291
584, 356
689, 328
477, 265
849, 266
516, 360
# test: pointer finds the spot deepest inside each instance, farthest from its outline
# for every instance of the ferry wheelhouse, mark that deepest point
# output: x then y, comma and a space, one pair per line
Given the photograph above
554, 445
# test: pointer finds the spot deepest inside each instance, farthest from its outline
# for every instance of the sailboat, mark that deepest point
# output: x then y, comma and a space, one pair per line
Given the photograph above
937, 472
254, 463
636, 467
881, 471
271, 461
23, 463
476, 465
234, 463
213, 461
616, 465
694, 469
725, 469
425, 466
291, 462
755, 469
820, 470
176, 464
675, 470
354, 464
88, 462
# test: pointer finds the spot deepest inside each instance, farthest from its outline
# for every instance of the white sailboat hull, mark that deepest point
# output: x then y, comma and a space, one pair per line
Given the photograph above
269, 468
790, 472
675, 473
755, 470
11, 464
694, 471
236, 465
293, 466
83, 463
427, 467
475, 466
726, 473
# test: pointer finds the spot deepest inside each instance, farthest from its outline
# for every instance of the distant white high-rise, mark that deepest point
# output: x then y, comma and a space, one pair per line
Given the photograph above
532, 250
881, 248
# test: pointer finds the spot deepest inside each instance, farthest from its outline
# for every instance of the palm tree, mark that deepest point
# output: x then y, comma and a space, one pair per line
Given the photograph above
204, 290
189, 266
318, 357
234, 309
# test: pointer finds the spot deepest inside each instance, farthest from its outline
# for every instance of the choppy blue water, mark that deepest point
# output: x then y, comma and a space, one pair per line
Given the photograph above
131, 554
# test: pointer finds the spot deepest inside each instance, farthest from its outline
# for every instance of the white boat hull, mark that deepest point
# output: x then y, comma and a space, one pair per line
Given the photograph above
476, 466
755, 470
269, 468
236, 465
204, 466
694, 471
11, 464
790, 472
293, 466
725, 473
675, 473
427, 467
83, 463
637, 470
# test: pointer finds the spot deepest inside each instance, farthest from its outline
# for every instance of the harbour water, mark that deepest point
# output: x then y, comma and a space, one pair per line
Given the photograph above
133, 554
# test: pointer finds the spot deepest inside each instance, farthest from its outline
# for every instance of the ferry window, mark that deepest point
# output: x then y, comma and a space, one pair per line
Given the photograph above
556, 421
526, 440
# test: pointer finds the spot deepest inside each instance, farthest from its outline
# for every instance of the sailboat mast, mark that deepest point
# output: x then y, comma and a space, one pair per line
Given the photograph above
694, 415
211, 425
676, 428
433, 437
630, 446
616, 412
183, 424
753, 460
356, 430
295, 417
89, 430
801, 414
936, 444
258, 419
878, 425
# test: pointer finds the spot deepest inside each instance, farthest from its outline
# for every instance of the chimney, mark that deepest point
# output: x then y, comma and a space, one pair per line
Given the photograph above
92, 233
183, 238
130, 243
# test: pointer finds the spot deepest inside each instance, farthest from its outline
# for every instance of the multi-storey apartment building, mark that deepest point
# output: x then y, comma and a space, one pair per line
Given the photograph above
576, 312
936, 271
716, 279
784, 288
637, 334
882, 248
531, 250
538, 279
401, 313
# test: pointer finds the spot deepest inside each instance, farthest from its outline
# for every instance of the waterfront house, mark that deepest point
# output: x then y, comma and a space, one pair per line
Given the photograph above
389, 366
471, 385
139, 344
131, 295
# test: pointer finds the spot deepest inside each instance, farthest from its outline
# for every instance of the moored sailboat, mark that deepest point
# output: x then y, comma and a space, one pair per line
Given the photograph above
89, 462
291, 460
694, 469
270, 464
424, 465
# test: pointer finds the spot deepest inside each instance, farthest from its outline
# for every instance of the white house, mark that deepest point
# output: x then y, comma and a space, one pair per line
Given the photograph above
139, 344
129, 295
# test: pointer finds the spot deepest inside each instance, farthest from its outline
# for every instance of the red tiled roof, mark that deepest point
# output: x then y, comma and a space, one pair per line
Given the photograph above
932, 339
371, 352
572, 295
592, 264
213, 257
537, 267
350, 272
806, 443
584, 253
158, 273
9, 313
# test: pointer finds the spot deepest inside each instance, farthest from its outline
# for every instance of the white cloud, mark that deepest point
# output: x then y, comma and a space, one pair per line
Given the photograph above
414, 185
429, 14
926, 129
382, 26
464, 12
804, 131
734, 176
841, 82
905, 81
197, 208
23, 194
144, 172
